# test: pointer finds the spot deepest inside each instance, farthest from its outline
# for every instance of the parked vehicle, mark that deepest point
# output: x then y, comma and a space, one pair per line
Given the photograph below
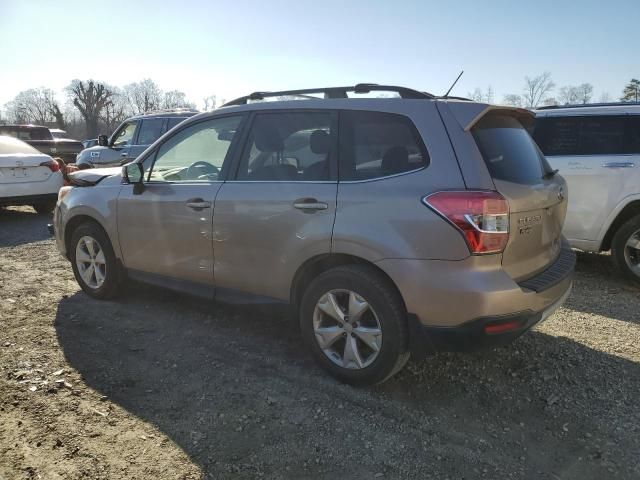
27, 176
394, 226
597, 149
42, 139
131, 138
58, 133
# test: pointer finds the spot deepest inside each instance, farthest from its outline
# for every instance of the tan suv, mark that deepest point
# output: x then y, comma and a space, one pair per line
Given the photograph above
394, 226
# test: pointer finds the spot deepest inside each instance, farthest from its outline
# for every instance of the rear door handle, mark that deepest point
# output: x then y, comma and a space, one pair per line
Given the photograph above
198, 204
619, 165
310, 204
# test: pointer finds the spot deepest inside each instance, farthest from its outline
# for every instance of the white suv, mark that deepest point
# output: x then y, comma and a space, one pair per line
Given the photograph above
596, 148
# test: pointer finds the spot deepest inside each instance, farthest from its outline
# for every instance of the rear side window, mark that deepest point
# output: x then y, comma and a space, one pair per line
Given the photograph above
634, 134
588, 135
508, 150
150, 131
172, 122
374, 145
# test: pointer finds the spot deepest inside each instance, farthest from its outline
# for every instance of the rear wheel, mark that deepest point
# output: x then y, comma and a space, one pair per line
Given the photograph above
625, 249
44, 207
355, 324
93, 261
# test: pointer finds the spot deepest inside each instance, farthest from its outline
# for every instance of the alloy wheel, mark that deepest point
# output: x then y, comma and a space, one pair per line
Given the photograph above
347, 329
632, 252
91, 262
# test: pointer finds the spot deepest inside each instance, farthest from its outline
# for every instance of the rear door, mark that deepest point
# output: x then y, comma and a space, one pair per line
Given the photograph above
590, 153
537, 199
279, 209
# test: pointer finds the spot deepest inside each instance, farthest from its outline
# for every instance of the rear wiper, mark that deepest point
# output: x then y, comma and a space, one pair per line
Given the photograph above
550, 174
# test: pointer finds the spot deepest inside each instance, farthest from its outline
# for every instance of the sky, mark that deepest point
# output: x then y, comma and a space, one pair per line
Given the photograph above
231, 48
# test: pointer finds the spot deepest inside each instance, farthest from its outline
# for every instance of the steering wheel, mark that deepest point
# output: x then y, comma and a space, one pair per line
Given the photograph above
209, 169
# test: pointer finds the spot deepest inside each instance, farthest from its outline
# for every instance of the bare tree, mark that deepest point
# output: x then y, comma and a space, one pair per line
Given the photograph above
36, 105
585, 92
568, 95
209, 103
143, 96
604, 97
116, 111
479, 96
513, 99
90, 98
536, 89
176, 99
631, 91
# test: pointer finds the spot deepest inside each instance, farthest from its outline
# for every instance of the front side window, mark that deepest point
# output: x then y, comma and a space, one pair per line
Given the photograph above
196, 153
124, 136
374, 145
150, 131
292, 146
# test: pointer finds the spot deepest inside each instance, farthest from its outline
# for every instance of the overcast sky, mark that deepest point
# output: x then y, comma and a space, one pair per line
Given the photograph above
230, 48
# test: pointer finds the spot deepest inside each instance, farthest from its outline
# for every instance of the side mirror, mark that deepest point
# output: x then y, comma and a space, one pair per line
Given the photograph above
103, 141
133, 174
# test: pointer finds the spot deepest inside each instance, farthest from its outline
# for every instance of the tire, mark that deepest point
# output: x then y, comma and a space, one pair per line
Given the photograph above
44, 207
385, 313
627, 258
109, 286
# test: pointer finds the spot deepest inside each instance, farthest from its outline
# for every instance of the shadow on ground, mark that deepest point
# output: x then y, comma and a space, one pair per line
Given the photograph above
21, 226
235, 388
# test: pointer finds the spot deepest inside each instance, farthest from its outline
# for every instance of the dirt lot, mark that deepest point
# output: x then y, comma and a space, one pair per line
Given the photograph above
157, 385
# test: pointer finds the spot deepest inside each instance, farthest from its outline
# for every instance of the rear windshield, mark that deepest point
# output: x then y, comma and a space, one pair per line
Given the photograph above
28, 133
508, 150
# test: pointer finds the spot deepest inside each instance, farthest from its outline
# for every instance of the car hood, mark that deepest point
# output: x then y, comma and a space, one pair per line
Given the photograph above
92, 176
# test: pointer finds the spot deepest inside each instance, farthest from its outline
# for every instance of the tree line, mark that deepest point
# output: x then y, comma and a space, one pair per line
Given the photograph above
92, 107
539, 91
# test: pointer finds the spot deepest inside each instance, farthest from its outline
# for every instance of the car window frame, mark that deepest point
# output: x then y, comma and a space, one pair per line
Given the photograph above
333, 156
229, 160
415, 130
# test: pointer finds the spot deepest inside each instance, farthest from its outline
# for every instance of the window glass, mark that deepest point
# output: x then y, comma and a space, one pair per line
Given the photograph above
558, 136
150, 131
172, 122
374, 144
508, 150
634, 134
125, 135
602, 135
288, 146
196, 153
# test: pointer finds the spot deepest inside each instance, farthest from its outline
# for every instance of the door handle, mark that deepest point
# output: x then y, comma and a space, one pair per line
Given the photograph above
309, 204
123, 154
619, 165
198, 204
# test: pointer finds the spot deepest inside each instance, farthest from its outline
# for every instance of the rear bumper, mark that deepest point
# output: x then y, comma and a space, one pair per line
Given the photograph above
28, 199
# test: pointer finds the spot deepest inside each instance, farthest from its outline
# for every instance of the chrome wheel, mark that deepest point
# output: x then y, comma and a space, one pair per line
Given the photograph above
91, 262
347, 329
632, 252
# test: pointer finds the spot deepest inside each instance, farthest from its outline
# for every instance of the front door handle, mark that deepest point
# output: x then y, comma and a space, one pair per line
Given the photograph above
198, 204
309, 204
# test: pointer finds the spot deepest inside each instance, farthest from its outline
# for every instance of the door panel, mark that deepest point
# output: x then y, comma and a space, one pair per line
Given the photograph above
163, 230
261, 238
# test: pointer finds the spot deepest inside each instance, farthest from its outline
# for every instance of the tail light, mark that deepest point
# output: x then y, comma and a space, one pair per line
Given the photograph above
52, 165
482, 217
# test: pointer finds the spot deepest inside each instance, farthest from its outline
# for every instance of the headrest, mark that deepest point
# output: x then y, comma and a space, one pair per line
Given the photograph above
319, 142
267, 138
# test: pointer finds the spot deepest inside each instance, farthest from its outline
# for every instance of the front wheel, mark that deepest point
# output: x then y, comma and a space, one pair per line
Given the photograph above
355, 324
625, 249
93, 261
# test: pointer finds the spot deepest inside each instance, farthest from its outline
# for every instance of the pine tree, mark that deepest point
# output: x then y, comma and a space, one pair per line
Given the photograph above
631, 92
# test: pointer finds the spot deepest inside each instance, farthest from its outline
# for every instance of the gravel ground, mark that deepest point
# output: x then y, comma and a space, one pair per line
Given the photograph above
158, 385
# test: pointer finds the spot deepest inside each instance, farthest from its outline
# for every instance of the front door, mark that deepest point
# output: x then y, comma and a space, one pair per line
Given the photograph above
166, 229
279, 209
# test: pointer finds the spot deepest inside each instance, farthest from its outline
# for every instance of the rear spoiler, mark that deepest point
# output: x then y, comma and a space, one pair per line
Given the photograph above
467, 114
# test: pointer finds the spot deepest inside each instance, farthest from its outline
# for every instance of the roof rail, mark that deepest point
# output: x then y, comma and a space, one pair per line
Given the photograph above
333, 92
171, 110
583, 105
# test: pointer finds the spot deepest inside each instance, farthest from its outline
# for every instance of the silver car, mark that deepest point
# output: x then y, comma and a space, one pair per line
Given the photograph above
393, 226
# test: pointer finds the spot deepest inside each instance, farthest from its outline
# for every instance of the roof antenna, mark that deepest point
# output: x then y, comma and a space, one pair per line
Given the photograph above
453, 85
